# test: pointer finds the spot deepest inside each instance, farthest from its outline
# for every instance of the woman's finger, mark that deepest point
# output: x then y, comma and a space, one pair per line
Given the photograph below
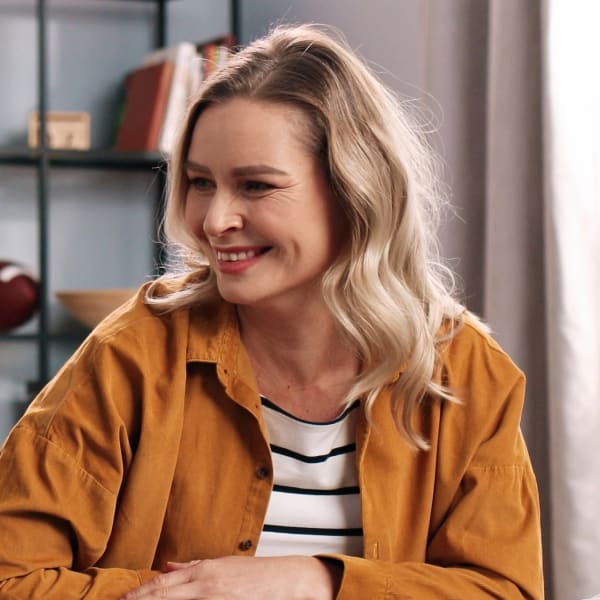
176, 566
164, 586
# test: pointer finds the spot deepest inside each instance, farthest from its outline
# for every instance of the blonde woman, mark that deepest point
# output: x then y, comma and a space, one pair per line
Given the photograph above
300, 408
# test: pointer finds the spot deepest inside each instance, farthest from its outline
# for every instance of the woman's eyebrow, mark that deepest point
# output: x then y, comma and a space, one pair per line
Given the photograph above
190, 165
244, 171
257, 170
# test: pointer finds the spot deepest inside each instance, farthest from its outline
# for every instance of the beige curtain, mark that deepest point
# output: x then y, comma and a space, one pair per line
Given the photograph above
483, 68
572, 243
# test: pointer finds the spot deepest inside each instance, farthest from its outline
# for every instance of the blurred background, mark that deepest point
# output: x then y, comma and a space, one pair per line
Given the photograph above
510, 93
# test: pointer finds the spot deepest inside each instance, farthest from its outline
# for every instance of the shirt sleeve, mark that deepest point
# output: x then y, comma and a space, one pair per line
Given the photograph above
54, 519
460, 564
85, 474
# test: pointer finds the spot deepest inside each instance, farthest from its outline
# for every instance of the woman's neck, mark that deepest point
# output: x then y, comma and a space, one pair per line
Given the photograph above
301, 361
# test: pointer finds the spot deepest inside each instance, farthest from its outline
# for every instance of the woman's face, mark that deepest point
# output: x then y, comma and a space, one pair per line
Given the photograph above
260, 204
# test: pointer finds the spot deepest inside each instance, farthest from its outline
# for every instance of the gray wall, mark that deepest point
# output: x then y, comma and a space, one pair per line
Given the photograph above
384, 32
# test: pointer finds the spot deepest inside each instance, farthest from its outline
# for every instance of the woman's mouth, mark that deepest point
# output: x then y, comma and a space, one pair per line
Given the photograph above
238, 259
237, 255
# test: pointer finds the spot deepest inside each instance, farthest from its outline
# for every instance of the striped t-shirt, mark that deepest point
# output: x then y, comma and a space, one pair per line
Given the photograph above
315, 503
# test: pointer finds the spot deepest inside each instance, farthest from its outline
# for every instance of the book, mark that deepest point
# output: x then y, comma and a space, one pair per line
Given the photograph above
153, 110
214, 54
183, 56
146, 95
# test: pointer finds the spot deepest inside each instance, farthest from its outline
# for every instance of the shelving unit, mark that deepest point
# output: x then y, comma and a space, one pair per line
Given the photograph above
43, 160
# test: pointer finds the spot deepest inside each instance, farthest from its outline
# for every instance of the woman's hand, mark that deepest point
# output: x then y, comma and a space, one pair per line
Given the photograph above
244, 578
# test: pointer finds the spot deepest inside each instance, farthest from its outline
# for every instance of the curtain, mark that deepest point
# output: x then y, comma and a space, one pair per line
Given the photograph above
515, 87
572, 245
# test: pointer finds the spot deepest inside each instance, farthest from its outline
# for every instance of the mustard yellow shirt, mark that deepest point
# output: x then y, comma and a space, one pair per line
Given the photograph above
149, 445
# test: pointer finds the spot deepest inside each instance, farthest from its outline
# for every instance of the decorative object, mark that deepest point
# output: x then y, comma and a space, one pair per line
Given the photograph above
19, 295
64, 130
89, 307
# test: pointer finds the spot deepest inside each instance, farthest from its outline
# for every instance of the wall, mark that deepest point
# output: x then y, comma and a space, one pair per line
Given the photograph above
385, 32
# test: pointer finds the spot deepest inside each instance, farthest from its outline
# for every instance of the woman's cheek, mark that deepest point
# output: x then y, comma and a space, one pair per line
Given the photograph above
194, 218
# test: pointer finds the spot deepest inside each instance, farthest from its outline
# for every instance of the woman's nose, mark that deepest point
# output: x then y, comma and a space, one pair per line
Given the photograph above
223, 215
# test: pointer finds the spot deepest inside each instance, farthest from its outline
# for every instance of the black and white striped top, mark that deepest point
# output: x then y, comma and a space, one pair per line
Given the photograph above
315, 504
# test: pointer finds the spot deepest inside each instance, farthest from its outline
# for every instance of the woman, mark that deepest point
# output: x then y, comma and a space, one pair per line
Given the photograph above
312, 410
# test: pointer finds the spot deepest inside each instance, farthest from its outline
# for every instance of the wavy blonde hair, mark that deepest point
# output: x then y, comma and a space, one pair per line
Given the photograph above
389, 292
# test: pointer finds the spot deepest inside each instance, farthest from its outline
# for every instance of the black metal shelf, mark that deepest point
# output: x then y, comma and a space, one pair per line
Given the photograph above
67, 336
19, 337
42, 159
94, 159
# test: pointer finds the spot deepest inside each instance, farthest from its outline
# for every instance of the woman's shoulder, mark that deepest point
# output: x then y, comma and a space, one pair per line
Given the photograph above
473, 351
482, 426
134, 319
146, 314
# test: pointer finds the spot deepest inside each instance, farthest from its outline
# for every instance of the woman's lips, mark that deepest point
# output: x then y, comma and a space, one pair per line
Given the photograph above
237, 260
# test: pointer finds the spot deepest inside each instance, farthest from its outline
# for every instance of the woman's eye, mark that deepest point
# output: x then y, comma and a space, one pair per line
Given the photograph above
257, 186
201, 183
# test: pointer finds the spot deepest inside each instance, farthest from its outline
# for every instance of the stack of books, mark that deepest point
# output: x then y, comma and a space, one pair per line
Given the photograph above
158, 92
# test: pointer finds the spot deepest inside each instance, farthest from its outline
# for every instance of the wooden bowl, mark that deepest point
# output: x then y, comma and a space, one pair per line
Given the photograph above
91, 306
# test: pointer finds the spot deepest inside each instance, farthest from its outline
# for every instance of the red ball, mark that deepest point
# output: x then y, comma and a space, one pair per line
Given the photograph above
19, 295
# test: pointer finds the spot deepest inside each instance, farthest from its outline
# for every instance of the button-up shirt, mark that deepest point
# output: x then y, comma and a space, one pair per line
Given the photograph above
149, 445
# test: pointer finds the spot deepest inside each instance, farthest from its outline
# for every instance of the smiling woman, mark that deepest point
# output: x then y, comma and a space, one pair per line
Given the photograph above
299, 407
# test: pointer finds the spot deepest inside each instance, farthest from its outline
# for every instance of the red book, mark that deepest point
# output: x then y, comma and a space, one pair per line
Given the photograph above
146, 96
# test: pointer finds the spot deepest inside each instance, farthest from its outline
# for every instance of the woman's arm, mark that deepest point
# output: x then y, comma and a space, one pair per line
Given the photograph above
484, 532
245, 578
85, 474
54, 518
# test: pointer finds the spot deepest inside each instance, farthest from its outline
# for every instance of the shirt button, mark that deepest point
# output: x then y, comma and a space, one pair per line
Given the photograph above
245, 545
262, 472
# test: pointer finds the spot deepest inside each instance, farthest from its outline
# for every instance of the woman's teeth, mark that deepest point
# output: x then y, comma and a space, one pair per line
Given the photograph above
236, 256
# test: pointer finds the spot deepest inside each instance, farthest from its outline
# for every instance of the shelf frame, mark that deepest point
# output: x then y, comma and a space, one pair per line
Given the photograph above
43, 157
92, 159
42, 195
